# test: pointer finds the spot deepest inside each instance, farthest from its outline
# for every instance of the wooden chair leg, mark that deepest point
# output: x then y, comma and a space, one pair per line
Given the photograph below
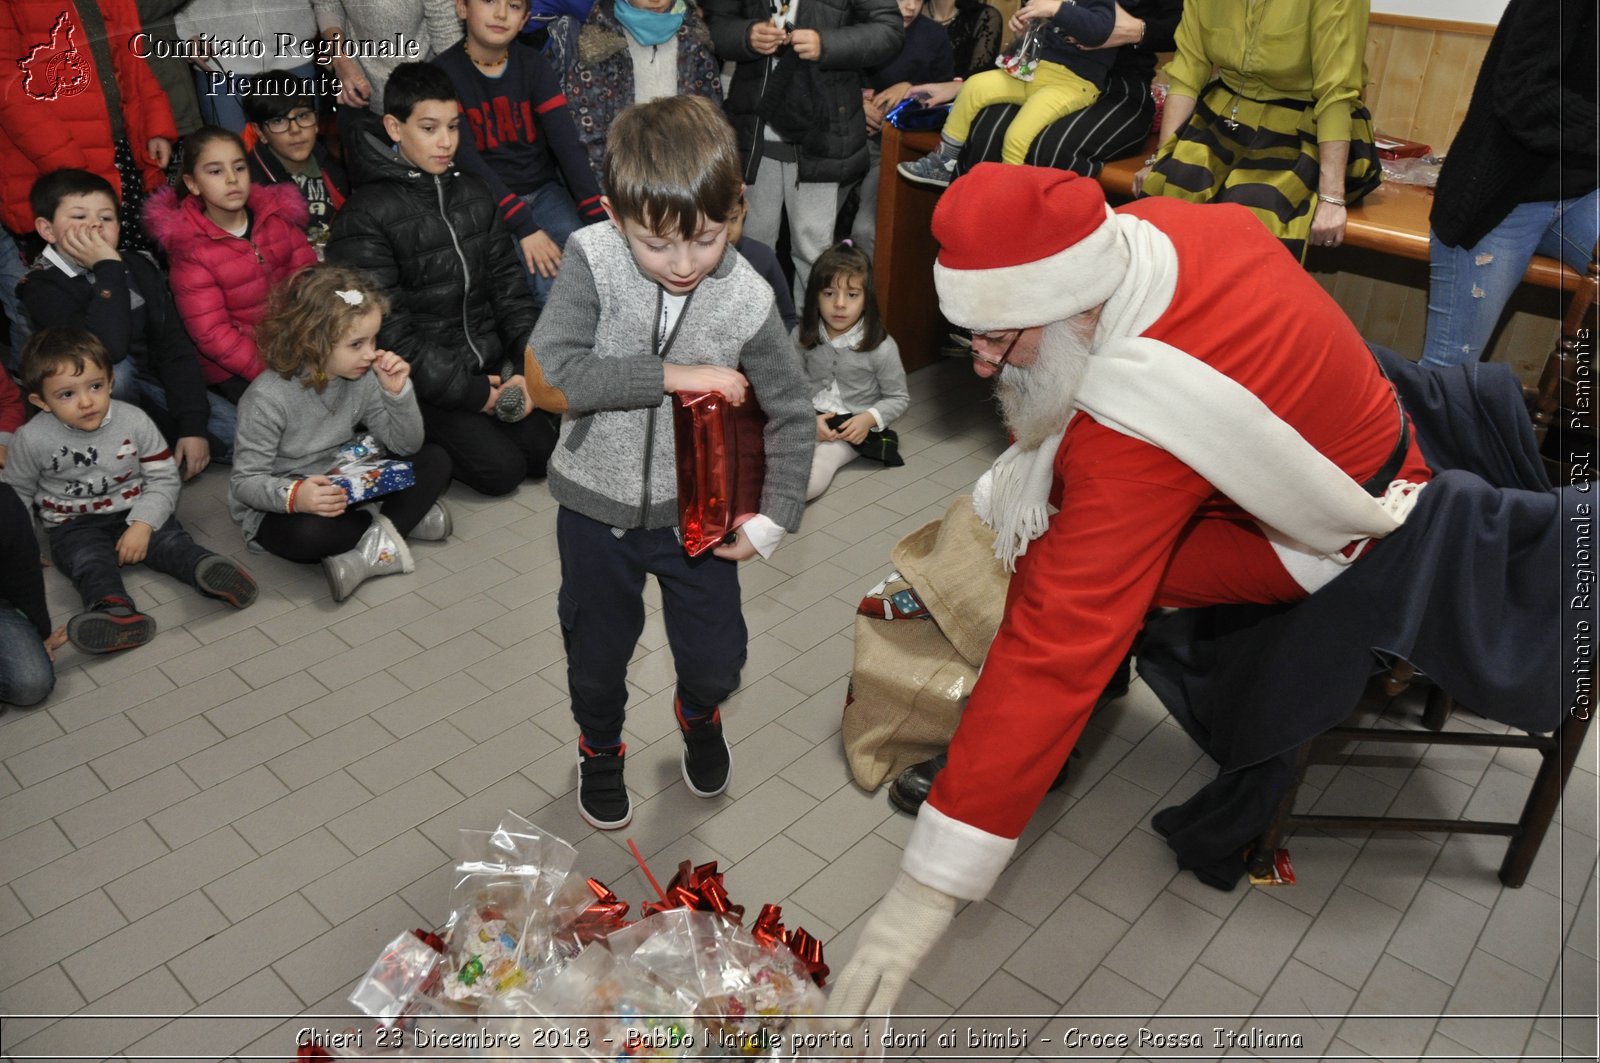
1436, 710
1554, 768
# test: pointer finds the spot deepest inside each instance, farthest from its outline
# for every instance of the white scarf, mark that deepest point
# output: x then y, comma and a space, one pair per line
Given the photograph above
1154, 392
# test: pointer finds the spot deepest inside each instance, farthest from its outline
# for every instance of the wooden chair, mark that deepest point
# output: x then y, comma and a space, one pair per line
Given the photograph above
1560, 400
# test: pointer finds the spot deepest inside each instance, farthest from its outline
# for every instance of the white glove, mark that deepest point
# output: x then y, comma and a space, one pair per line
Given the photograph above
908, 922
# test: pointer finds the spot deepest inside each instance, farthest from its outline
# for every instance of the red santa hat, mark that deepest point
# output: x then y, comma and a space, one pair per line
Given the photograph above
1021, 246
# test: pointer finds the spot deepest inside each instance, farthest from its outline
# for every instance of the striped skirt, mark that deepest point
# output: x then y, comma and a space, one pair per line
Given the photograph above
1261, 154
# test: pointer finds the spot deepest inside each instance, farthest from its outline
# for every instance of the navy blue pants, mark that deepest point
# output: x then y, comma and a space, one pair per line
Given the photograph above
85, 550
601, 605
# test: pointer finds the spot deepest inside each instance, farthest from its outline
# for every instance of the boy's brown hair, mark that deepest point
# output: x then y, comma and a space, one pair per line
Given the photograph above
309, 313
61, 349
670, 162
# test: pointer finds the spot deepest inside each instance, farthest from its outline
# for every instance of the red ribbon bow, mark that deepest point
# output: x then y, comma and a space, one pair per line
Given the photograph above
769, 930
603, 915
698, 889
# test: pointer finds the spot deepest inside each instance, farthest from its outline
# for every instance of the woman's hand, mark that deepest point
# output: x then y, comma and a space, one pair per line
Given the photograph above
1139, 178
1033, 10
1327, 224
354, 89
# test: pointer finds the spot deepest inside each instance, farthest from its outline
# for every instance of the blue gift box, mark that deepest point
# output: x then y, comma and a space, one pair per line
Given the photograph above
366, 480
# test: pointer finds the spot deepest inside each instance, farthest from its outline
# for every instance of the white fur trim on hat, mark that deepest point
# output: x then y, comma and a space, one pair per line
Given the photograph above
1054, 288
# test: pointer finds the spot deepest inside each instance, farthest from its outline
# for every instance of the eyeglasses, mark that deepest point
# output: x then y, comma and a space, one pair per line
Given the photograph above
994, 339
303, 119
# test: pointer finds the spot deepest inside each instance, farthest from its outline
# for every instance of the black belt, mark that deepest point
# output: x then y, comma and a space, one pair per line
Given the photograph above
1377, 485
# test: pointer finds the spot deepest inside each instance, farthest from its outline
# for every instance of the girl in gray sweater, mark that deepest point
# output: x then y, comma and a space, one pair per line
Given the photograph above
327, 377
858, 383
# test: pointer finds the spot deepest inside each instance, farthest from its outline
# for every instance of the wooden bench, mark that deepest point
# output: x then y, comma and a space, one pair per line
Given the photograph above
1422, 73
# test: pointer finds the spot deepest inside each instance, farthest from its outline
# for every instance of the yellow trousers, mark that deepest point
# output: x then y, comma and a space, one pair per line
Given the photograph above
1054, 93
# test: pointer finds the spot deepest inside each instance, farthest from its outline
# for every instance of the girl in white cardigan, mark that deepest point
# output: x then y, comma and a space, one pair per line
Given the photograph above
858, 383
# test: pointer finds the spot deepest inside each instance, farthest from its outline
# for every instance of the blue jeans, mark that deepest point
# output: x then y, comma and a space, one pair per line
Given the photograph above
135, 384
26, 674
552, 210
85, 550
1469, 286
12, 269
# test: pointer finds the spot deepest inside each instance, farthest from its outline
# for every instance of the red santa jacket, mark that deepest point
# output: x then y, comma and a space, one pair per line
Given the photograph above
1127, 509
221, 282
53, 107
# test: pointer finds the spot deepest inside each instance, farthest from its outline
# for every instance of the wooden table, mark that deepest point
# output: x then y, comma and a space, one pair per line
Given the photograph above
1392, 220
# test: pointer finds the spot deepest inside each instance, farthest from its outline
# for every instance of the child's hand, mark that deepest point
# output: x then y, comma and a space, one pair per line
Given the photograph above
541, 254
730, 383
741, 549
1033, 9
824, 433
87, 243
134, 543
193, 454
765, 38
393, 371
808, 43
494, 394
856, 428
54, 641
320, 497
160, 149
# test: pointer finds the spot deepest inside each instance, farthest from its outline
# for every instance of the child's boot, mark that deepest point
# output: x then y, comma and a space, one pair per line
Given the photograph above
111, 624
602, 797
435, 525
933, 170
707, 761
380, 552
224, 578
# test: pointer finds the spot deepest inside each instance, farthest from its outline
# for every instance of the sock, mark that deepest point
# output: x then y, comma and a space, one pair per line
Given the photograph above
689, 716
949, 150
591, 745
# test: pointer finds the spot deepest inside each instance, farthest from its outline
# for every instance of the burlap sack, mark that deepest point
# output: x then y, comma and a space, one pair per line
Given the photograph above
907, 692
952, 566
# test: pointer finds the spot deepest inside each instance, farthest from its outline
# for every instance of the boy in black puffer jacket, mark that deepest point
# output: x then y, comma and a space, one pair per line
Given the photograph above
431, 237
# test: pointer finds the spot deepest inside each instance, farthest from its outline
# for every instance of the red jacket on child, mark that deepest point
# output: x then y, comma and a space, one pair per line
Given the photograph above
220, 282
53, 93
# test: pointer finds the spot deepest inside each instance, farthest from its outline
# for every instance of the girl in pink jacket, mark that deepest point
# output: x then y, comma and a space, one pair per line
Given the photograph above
228, 244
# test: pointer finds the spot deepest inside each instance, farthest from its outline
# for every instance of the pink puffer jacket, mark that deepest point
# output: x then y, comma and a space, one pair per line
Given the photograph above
220, 282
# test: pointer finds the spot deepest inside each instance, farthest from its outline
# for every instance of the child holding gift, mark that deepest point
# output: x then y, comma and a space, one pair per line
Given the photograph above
319, 341
854, 367
107, 487
1068, 76
652, 304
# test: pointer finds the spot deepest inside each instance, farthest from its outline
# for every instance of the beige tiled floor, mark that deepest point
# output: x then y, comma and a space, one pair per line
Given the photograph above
230, 821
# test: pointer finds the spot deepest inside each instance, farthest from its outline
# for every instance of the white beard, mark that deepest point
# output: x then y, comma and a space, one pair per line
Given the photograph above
1038, 401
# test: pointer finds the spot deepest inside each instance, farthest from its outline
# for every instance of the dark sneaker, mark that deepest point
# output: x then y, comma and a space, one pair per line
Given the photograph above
932, 169
602, 798
707, 761
910, 788
224, 578
113, 624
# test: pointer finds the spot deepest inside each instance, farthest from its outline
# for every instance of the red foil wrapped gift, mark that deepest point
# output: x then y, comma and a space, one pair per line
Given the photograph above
722, 461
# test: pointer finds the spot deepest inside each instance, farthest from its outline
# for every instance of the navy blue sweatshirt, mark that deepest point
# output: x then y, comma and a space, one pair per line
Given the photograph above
1088, 23
925, 56
522, 136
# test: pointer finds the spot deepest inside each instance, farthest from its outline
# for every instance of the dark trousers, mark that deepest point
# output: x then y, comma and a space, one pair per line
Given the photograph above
489, 455
309, 538
1115, 126
85, 550
601, 605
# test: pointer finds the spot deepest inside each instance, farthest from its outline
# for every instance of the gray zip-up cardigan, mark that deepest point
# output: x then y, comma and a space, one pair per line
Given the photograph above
868, 380
595, 344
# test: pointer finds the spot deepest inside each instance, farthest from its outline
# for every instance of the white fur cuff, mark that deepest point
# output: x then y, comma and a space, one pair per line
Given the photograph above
955, 857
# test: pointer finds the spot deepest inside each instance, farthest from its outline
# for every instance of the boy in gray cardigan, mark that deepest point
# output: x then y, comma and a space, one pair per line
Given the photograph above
106, 485
651, 304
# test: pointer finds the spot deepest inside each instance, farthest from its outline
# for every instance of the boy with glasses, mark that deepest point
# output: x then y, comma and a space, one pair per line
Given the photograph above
283, 111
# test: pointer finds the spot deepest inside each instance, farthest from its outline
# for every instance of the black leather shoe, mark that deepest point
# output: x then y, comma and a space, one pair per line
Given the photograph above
910, 788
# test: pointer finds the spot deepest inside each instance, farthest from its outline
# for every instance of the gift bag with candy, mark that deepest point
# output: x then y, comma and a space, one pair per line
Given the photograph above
1023, 58
361, 469
722, 462
505, 881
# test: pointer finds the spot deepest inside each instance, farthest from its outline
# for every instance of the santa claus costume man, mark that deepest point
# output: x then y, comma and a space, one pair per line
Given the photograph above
1196, 422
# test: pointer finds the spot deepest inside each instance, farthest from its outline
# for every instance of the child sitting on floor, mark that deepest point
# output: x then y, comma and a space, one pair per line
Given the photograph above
107, 486
325, 376
858, 383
